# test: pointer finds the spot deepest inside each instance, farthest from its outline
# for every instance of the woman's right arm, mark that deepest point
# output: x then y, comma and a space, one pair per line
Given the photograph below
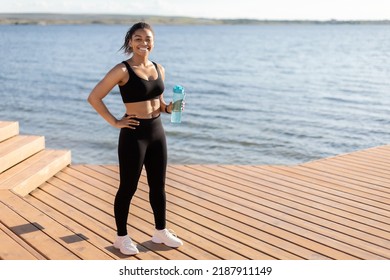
101, 90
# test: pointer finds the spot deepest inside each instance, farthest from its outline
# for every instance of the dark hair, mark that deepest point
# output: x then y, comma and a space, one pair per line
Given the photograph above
129, 34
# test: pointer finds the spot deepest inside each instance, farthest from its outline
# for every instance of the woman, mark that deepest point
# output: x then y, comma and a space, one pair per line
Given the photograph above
142, 139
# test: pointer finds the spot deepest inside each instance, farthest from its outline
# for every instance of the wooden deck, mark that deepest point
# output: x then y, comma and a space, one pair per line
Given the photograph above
335, 208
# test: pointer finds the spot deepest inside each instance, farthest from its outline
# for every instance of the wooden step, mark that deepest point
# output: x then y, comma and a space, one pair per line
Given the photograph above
18, 148
34, 171
8, 130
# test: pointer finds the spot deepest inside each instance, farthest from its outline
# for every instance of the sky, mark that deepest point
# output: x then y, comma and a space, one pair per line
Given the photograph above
227, 9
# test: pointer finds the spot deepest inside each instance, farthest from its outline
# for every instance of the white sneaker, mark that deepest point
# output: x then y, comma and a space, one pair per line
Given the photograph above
125, 245
168, 237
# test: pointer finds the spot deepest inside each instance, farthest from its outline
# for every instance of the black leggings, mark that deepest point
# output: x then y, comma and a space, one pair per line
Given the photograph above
145, 145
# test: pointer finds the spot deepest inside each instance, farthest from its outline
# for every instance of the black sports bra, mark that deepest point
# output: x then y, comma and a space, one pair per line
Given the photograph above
137, 89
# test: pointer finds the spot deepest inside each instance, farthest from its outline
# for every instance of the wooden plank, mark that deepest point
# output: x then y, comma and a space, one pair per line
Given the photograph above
231, 220
141, 204
38, 173
14, 171
103, 211
335, 208
231, 237
219, 239
326, 193
17, 142
252, 222
340, 200
254, 218
31, 232
251, 247
80, 223
370, 169
358, 175
11, 250
8, 130
304, 207
12, 247
18, 148
340, 176
365, 169
137, 220
379, 153
67, 239
374, 192
345, 184
283, 214
376, 160
339, 210
94, 223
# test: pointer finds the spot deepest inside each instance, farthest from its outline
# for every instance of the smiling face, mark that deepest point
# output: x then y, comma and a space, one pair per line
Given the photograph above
142, 42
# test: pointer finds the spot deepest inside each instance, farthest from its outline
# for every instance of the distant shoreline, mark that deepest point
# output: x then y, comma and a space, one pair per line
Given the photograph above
111, 19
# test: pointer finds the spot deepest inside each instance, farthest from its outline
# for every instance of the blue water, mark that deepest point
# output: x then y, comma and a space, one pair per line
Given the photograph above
272, 94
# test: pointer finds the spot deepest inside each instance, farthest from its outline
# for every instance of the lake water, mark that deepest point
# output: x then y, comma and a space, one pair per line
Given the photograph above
268, 94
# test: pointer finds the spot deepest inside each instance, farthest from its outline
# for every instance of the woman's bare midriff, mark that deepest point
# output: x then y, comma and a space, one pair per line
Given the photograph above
144, 109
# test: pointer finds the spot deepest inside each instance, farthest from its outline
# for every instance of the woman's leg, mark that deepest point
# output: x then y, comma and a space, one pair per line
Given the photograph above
156, 166
131, 153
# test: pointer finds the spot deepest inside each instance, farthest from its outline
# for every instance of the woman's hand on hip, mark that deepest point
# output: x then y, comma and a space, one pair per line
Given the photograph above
127, 121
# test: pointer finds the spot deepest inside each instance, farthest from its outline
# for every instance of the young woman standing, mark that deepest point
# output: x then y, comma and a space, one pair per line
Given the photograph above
142, 139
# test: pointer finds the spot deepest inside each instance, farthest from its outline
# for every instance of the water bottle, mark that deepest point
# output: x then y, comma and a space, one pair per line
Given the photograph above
178, 98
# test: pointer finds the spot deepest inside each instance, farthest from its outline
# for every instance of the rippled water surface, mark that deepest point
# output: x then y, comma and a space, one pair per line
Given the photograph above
271, 94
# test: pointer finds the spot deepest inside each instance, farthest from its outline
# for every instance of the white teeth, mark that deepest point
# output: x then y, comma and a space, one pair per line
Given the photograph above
143, 49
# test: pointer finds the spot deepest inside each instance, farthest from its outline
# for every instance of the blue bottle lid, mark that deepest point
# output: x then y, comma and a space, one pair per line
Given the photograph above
178, 89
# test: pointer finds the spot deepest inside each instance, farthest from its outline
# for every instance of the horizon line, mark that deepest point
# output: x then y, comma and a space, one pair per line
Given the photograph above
194, 17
